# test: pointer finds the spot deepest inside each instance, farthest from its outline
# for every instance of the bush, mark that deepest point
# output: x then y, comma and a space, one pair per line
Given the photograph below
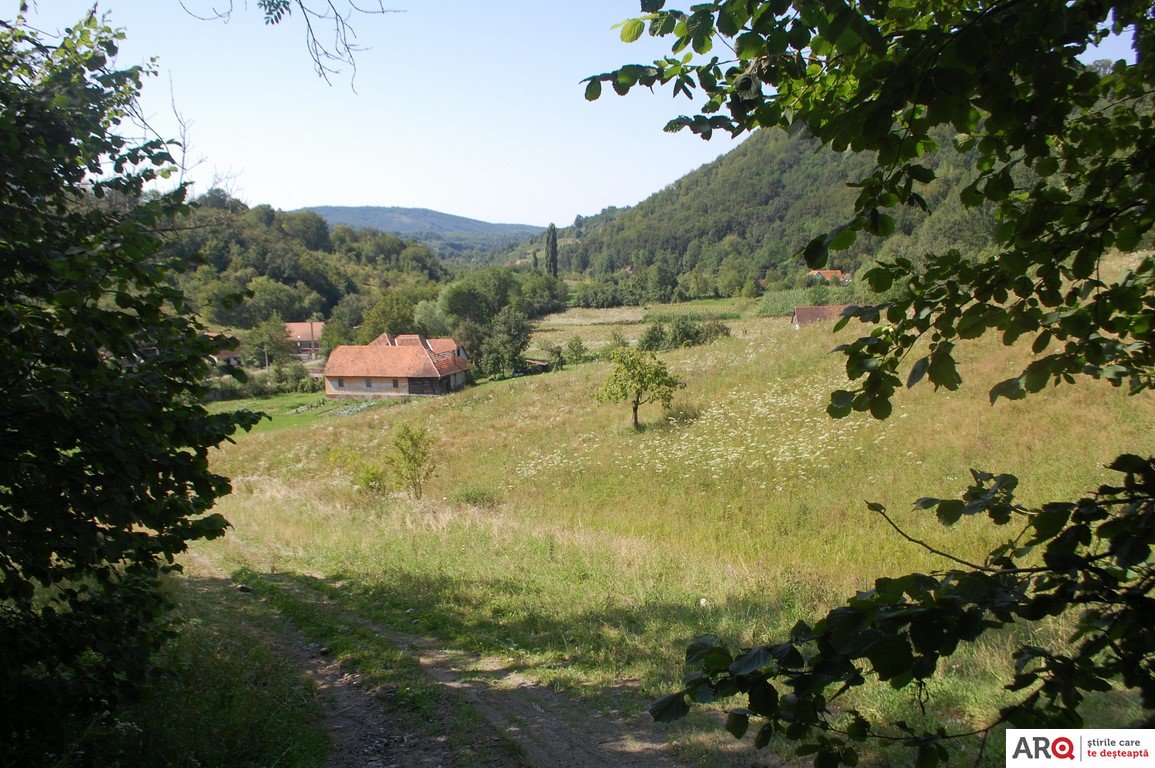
575, 350
653, 338
684, 331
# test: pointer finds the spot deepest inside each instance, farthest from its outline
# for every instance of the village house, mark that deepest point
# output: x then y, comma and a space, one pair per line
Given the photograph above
828, 276
306, 337
392, 366
804, 316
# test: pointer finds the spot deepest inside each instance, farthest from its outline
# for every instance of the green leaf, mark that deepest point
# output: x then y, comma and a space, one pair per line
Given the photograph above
1048, 521
842, 238
880, 407
737, 723
1046, 166
752, 661
917, 371
1127, 238
815, 253
749, 46
593, 89
632, 30
669, 709
765, 733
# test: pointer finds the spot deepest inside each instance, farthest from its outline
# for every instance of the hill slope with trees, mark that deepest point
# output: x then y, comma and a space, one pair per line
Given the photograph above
737, 224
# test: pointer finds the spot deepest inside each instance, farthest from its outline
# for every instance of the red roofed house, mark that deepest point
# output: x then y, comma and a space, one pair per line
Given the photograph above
828, 276
396, 366
306, 337
804, 316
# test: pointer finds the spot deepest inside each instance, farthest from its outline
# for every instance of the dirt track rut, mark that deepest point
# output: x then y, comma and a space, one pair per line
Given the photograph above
550, 728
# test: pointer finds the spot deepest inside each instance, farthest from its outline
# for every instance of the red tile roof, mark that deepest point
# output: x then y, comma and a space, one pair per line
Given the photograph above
383, 340
811, 315
830, 275
442, 345
306, 331
409, 361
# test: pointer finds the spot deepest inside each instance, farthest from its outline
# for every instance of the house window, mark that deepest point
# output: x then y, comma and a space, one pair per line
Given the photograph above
394, 383
340, 383
368, 383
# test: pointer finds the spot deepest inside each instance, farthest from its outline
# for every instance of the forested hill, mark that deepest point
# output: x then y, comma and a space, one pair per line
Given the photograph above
451, 236
738, 222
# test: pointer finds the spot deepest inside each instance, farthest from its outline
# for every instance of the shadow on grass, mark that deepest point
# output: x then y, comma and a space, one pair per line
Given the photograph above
482, 617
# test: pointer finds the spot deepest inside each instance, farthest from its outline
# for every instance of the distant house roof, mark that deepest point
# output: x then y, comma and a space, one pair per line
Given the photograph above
307, 331
414, 340
811, 315
415, 358
829, 275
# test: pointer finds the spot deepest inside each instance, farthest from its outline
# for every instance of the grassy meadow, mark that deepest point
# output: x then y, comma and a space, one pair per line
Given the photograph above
587, 555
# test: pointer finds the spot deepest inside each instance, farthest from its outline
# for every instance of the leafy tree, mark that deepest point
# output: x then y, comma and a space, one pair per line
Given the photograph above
463, 301
269, 343
393, 313
638, 377
104, 444
430, 320
506, 340
551, 251
337, 332
412, 460
471, 337
308, 228
1062, 154
540, 294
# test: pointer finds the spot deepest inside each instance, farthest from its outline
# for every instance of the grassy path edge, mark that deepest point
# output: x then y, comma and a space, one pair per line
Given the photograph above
548, 727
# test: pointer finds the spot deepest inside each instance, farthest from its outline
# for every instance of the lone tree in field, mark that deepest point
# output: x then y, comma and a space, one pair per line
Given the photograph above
551, 251
1065, 155
412, 462
104, 443
506, 339
638, 378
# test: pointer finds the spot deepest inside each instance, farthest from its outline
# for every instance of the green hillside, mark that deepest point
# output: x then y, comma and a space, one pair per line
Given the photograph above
451, 236
736, 224
557, 540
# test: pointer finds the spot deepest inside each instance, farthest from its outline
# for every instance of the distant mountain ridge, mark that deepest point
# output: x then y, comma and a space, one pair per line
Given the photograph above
454, 235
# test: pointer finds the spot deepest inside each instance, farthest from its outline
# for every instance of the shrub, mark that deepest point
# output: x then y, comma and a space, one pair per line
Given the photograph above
575, 350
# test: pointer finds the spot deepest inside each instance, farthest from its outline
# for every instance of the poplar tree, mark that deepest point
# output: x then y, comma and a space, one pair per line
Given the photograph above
551, 251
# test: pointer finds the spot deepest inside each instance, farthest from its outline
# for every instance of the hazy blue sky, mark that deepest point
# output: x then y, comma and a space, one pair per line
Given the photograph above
472, 108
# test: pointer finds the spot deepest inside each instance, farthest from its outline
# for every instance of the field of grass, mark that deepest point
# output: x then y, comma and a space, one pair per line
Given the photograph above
587, 554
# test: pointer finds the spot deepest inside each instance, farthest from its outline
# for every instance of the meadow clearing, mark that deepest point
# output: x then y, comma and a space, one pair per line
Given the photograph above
587, 555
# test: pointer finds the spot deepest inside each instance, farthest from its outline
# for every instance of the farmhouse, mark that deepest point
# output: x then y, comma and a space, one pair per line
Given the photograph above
306, 337
804, 316
828, 276
393, 366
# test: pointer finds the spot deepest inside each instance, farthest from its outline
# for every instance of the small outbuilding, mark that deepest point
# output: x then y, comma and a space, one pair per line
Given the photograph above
804, 316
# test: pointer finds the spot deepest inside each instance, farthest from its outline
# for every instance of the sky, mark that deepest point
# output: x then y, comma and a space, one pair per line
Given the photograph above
470, 108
